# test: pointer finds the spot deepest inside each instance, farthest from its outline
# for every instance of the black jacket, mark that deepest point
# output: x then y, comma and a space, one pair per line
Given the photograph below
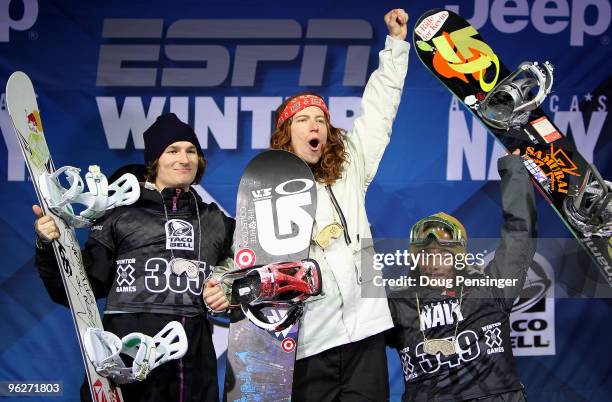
128, 252
483, 364
126, 259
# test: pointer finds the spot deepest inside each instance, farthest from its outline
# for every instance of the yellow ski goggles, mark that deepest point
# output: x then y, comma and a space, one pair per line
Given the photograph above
442, 227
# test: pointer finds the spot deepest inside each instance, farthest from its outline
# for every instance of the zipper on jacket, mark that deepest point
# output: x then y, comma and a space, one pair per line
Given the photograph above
175, 199
347, 238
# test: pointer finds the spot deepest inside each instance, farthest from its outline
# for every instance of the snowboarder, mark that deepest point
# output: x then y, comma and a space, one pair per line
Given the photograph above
340, 328
453, 339
150, 260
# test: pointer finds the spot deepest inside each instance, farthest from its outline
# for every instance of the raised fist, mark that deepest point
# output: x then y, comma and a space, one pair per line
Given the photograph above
397, 23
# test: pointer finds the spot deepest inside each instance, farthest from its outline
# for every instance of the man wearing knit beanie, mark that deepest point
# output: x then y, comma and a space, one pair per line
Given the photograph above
150, 261
172, 154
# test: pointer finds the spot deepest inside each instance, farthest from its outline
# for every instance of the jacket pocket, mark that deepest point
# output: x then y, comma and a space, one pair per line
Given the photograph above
363, 264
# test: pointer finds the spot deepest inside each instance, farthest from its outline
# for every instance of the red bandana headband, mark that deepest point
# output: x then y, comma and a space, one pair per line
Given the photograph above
300, 103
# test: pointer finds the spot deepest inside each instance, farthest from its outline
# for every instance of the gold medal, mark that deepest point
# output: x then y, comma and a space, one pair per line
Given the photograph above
444, 346
434, 346
332, 231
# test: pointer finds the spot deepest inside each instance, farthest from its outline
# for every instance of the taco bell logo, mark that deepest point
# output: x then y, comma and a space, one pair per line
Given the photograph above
30, 14
532, 322
179, 235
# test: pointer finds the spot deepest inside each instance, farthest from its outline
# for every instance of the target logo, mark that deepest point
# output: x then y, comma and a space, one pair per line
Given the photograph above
288, 345
245, 257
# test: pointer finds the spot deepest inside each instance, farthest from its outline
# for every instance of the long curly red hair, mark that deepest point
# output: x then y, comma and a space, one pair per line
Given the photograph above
329, 168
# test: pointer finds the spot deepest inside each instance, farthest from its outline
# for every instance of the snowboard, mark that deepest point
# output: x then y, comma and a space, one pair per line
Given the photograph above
275, 212
454, 52
25, 115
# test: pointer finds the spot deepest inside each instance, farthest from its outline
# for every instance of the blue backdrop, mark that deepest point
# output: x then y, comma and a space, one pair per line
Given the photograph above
104, 70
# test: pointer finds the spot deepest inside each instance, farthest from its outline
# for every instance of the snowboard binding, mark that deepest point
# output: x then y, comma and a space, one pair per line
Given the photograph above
283, 285
589, 210
100, 198
510, 102
104, 350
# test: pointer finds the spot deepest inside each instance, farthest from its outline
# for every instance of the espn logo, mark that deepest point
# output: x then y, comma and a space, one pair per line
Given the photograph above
216, 54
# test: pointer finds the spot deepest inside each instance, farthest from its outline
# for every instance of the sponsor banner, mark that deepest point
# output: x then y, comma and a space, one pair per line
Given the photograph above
532, 322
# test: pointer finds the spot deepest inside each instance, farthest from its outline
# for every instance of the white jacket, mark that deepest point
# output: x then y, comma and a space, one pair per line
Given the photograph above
341, 315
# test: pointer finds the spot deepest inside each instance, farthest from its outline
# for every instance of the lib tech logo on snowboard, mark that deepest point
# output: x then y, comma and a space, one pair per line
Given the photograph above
457, 54
289, 198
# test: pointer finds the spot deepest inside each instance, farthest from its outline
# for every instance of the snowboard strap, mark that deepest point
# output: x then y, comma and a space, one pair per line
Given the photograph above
98, 200
104, 351
284, 285
257, 316
589, 210
510, 102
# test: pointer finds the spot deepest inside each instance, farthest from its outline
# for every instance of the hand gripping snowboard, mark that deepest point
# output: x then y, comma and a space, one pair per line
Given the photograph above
508, 105
25, 115
275, 212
